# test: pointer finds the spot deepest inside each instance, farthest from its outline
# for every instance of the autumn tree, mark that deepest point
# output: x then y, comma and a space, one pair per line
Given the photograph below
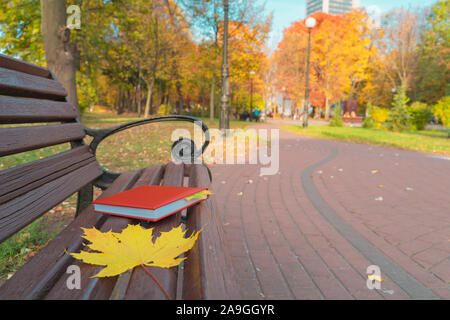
399, 46
208, 17
247, 62
20, 30
341, 48
434, 55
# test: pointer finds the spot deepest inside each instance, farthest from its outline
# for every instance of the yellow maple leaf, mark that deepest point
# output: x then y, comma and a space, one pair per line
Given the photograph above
120, 252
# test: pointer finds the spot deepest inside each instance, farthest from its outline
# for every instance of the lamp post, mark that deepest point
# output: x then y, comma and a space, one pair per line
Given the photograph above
310, 23
252, 73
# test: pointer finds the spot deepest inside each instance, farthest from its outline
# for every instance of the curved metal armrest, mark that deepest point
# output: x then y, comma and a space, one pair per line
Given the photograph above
100, 134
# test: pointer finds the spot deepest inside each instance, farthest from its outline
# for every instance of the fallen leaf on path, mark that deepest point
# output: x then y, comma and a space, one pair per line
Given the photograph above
374, 171
380, 186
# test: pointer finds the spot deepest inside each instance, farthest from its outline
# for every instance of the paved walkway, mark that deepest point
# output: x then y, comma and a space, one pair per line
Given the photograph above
334, 208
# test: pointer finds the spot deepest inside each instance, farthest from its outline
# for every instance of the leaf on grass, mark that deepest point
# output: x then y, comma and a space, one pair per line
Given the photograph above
120, 252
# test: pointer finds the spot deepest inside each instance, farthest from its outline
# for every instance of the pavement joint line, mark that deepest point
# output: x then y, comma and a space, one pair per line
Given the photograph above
404, 280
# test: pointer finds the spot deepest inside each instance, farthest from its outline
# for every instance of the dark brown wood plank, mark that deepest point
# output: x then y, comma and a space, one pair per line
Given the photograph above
208, 271
25, 67
101, 288
36, 278
141, 286
22, 210
25, 169
14, 83
26, 110
20, 139
21, 179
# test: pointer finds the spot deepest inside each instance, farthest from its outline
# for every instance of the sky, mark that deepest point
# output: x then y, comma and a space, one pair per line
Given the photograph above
287, 11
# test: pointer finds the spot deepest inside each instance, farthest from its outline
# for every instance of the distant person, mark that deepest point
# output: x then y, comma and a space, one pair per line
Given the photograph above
245, 116
257, 114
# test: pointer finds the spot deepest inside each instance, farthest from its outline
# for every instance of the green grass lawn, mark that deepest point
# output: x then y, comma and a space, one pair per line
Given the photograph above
424, 141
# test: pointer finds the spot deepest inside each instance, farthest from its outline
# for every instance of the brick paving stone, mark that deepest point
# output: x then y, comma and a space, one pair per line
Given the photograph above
442, 270
429, 257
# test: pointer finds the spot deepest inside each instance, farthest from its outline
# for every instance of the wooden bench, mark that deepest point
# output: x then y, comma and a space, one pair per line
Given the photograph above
31, 94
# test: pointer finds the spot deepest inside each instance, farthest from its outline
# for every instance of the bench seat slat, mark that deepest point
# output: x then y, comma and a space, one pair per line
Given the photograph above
22, 66
139, 287
22, 210
14, 83
35, 279
21, 179
208, 271
26, 110
20, 139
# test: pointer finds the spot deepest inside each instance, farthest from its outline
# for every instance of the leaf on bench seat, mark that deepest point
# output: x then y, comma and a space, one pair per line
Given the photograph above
202, 195
120, 252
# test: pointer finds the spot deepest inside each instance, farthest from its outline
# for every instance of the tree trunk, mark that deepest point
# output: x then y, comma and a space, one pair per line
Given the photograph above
139, 100
149, 97
180, 98
327, 108
211, 99
60, 53
224, 120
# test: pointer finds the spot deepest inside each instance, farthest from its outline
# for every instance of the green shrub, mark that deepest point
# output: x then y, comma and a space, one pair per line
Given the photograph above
420, 115
441, 110
337, 119
368, 123
379, 115
398, 117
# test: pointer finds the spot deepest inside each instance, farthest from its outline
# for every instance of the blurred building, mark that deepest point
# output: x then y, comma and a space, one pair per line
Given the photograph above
330, 6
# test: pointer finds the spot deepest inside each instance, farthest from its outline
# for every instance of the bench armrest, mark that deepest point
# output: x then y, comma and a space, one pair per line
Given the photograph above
183, 150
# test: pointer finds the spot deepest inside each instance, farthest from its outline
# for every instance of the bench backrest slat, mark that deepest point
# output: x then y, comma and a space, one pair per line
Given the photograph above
22, 210
30, 94
25, 67
26, 110
21, 179
14, 83
19, 139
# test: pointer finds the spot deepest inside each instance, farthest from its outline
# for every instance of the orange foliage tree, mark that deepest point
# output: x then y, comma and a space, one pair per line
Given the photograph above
340, 54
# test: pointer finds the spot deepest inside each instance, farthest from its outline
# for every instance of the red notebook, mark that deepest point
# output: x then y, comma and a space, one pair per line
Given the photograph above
151, 203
